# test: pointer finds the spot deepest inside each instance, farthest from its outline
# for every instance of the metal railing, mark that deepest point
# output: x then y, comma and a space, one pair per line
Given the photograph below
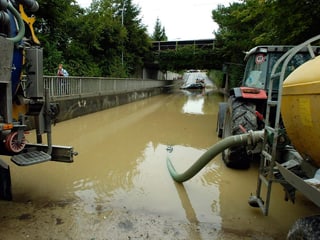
89, 86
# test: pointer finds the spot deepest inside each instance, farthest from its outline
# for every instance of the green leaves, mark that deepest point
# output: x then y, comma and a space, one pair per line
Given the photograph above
159, 33
92, 41
262, 22
187, 57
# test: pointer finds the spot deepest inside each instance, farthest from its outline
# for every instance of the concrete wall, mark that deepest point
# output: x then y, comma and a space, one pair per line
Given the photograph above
75, 107
152, 73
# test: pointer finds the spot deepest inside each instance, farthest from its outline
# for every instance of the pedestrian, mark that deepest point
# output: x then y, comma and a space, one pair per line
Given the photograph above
62, 71
62, 83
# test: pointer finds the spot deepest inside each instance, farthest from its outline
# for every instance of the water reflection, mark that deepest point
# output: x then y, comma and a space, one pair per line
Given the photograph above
194, 106
195, 100
201, 193
147, 186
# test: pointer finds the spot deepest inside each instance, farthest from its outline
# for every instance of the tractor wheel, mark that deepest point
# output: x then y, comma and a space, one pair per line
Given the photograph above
305, 228
239, 116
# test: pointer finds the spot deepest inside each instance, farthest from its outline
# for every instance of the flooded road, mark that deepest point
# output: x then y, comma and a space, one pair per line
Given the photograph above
119, 186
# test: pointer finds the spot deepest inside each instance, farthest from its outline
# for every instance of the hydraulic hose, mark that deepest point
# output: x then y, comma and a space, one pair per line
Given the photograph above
231, 141
21, 26
30, 5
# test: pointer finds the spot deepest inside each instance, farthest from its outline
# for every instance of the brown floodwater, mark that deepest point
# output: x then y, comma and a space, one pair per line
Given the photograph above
119, 187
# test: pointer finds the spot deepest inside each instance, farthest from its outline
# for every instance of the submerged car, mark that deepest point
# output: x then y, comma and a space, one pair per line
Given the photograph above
194, 79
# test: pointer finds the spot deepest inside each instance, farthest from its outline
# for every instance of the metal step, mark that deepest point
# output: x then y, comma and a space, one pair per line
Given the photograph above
272, 103
275, 76
30, 158
269, 129
264, 180
266, 155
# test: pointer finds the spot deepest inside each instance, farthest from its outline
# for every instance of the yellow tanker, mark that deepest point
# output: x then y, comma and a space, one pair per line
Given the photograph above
300, 109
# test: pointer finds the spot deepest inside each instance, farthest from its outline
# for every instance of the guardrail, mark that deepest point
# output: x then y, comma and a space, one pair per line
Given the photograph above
88, 86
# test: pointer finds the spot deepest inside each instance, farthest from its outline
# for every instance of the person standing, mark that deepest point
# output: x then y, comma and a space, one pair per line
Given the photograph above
62, 83
62, 71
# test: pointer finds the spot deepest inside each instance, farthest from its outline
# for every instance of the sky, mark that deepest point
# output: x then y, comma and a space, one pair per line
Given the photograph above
182, 19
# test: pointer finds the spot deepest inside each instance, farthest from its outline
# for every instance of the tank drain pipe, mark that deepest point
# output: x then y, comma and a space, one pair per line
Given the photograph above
48, 121
250, 138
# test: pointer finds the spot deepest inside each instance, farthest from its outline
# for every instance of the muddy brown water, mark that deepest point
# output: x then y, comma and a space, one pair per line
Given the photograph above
119, 187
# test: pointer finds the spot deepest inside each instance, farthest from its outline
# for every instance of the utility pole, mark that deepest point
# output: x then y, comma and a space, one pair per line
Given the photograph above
122, 20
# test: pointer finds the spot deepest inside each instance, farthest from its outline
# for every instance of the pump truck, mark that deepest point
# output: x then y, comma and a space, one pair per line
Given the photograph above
245, 108
24, 101
289, 143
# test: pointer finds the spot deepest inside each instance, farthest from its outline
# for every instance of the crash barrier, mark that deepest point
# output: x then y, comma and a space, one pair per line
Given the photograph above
90, 86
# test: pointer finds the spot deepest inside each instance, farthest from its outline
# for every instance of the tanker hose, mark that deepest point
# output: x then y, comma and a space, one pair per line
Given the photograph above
249, 138
21, 32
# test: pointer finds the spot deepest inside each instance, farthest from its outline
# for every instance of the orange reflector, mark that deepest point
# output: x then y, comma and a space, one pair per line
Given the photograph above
251, 90
7, 126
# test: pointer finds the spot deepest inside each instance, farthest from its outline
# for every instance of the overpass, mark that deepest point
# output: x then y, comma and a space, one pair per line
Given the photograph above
182, 54
158, 46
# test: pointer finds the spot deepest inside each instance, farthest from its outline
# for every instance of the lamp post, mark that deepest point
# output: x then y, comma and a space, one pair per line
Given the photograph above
122, 18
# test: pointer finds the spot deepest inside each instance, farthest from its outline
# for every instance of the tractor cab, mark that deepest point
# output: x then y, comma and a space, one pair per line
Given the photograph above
261, 59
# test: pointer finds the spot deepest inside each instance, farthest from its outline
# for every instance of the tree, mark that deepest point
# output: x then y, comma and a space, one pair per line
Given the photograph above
256, 22
51, 27
294, 26
159, 33
107, 39
186, 57
137, 44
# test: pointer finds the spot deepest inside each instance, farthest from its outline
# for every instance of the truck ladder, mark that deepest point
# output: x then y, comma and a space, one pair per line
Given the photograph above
267, 168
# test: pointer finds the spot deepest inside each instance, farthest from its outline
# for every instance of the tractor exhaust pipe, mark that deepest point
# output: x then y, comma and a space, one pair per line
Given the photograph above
250, 138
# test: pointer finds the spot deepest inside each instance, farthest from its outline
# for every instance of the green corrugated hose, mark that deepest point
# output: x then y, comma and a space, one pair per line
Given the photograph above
21, 26
231, 141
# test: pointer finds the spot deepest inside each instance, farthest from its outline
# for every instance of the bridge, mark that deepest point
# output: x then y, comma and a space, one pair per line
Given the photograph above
174, 45
191, 54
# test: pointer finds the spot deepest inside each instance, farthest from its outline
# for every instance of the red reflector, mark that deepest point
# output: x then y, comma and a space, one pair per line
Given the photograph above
251, 90
260, 116
254, 93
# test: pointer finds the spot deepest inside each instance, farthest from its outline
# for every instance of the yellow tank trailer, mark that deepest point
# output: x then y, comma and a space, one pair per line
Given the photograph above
300, 109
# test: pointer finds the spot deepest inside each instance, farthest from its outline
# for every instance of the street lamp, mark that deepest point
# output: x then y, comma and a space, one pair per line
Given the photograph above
122, 17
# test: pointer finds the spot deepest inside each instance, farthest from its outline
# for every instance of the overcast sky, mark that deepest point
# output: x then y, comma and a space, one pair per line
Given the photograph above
182, 19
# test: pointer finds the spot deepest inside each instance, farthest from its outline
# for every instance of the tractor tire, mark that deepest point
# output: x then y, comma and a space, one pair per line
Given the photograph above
239, 115
305, 228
